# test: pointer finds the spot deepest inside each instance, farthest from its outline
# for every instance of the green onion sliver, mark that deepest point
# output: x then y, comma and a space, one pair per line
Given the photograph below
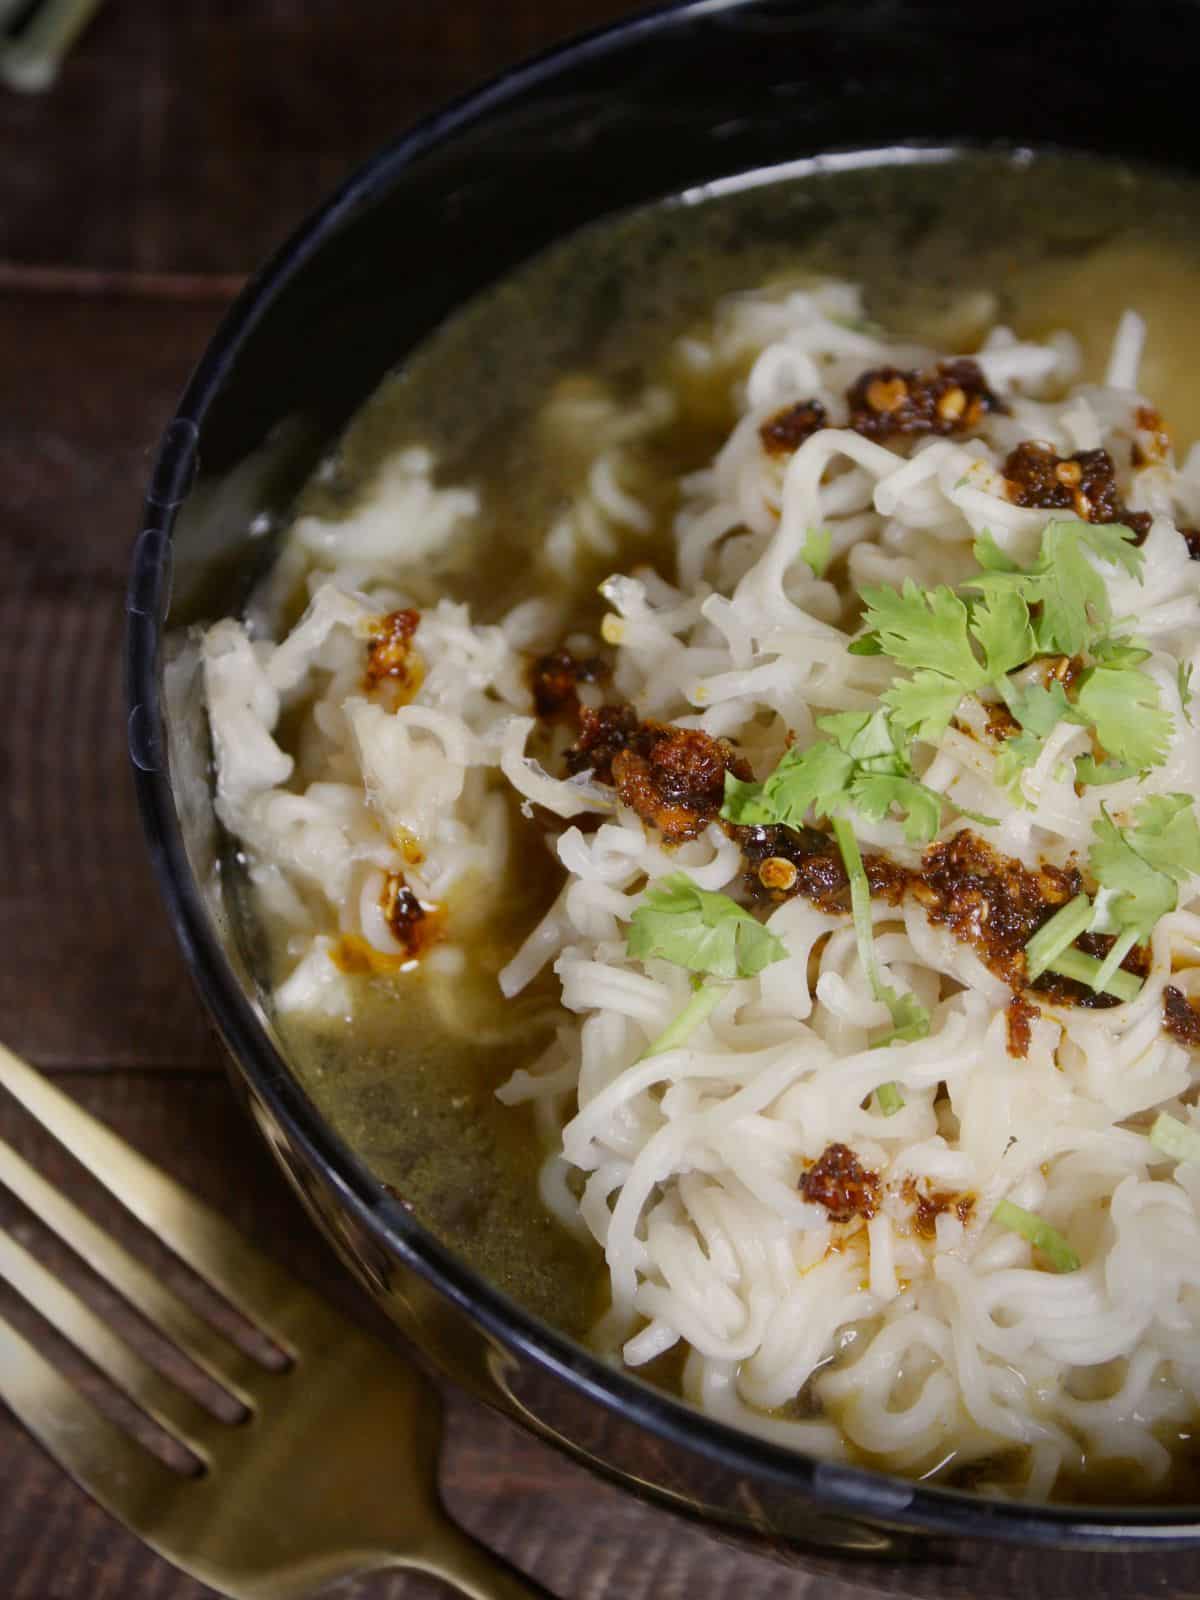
889, 1098
1040, 1234
1057, 935
702, 1004
1086, 969
860, 900
1175, 1138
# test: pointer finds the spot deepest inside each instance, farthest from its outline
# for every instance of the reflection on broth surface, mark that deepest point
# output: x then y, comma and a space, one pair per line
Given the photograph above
563, 409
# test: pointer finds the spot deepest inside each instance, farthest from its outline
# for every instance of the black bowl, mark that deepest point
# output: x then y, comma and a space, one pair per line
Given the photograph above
642, 110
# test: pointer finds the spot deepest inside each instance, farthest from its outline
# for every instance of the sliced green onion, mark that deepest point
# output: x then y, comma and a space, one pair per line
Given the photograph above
860, 900
1112, 961
889, 1099
702, 1004
1086, 969
1175, 1138
910, 1020
1040, 1234
1057, 935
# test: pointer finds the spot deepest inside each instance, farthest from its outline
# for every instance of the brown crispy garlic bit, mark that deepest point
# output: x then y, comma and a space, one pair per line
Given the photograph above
675, 777
839, 1182
1181, 1017
555, 679
389, 650
1083, 484
787, 430
1018, 1025
952, 397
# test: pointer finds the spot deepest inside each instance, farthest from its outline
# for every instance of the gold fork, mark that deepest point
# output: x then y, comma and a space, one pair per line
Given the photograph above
332, 1472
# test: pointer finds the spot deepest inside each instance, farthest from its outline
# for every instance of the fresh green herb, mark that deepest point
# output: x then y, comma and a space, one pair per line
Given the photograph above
863, 768
1141, 866
1095, 773
867, 644
1083, 968
926, 628
701, 931
1183, 679
706, 933
1057, 935
889, 1099
817, 550
910, 1020
1118, 651
924, 705
1039, 1233
1122, 704
1014, 757
703, 1003
928, 631
1175, 1138
805, 781
1039, 708
1001, 625
1070, 595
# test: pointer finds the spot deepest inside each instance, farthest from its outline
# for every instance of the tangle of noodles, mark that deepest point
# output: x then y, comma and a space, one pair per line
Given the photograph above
906, 1347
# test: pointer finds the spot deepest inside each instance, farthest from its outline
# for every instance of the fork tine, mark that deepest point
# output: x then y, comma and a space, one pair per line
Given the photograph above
213, 1354
98, 1455
248, 1279
173, 1409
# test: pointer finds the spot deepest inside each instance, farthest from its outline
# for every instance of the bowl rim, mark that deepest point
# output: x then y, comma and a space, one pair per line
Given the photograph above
857, 1491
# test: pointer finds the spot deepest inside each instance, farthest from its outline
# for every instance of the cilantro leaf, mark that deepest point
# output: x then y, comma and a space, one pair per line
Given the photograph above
813, 780
1140, 893
865, 737
1014, 757
701, 931
875, 793
1062, 582
990, 556
1183, 679
1118, 651
1000, 622
1123, 705
867, 644
1089, 771
925, 628
817, 550
1040, 708
1165, 835
924, 704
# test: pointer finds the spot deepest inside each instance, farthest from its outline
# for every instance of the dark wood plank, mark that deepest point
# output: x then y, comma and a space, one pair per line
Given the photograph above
89, 972
192, 136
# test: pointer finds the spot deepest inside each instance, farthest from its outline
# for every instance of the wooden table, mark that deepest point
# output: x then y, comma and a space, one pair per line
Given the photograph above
183, 140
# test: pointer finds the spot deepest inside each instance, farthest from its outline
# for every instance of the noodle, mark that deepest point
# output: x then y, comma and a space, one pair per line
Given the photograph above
917, 1332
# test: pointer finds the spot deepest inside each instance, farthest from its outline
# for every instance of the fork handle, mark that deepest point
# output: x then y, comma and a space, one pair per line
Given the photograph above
471, 1569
